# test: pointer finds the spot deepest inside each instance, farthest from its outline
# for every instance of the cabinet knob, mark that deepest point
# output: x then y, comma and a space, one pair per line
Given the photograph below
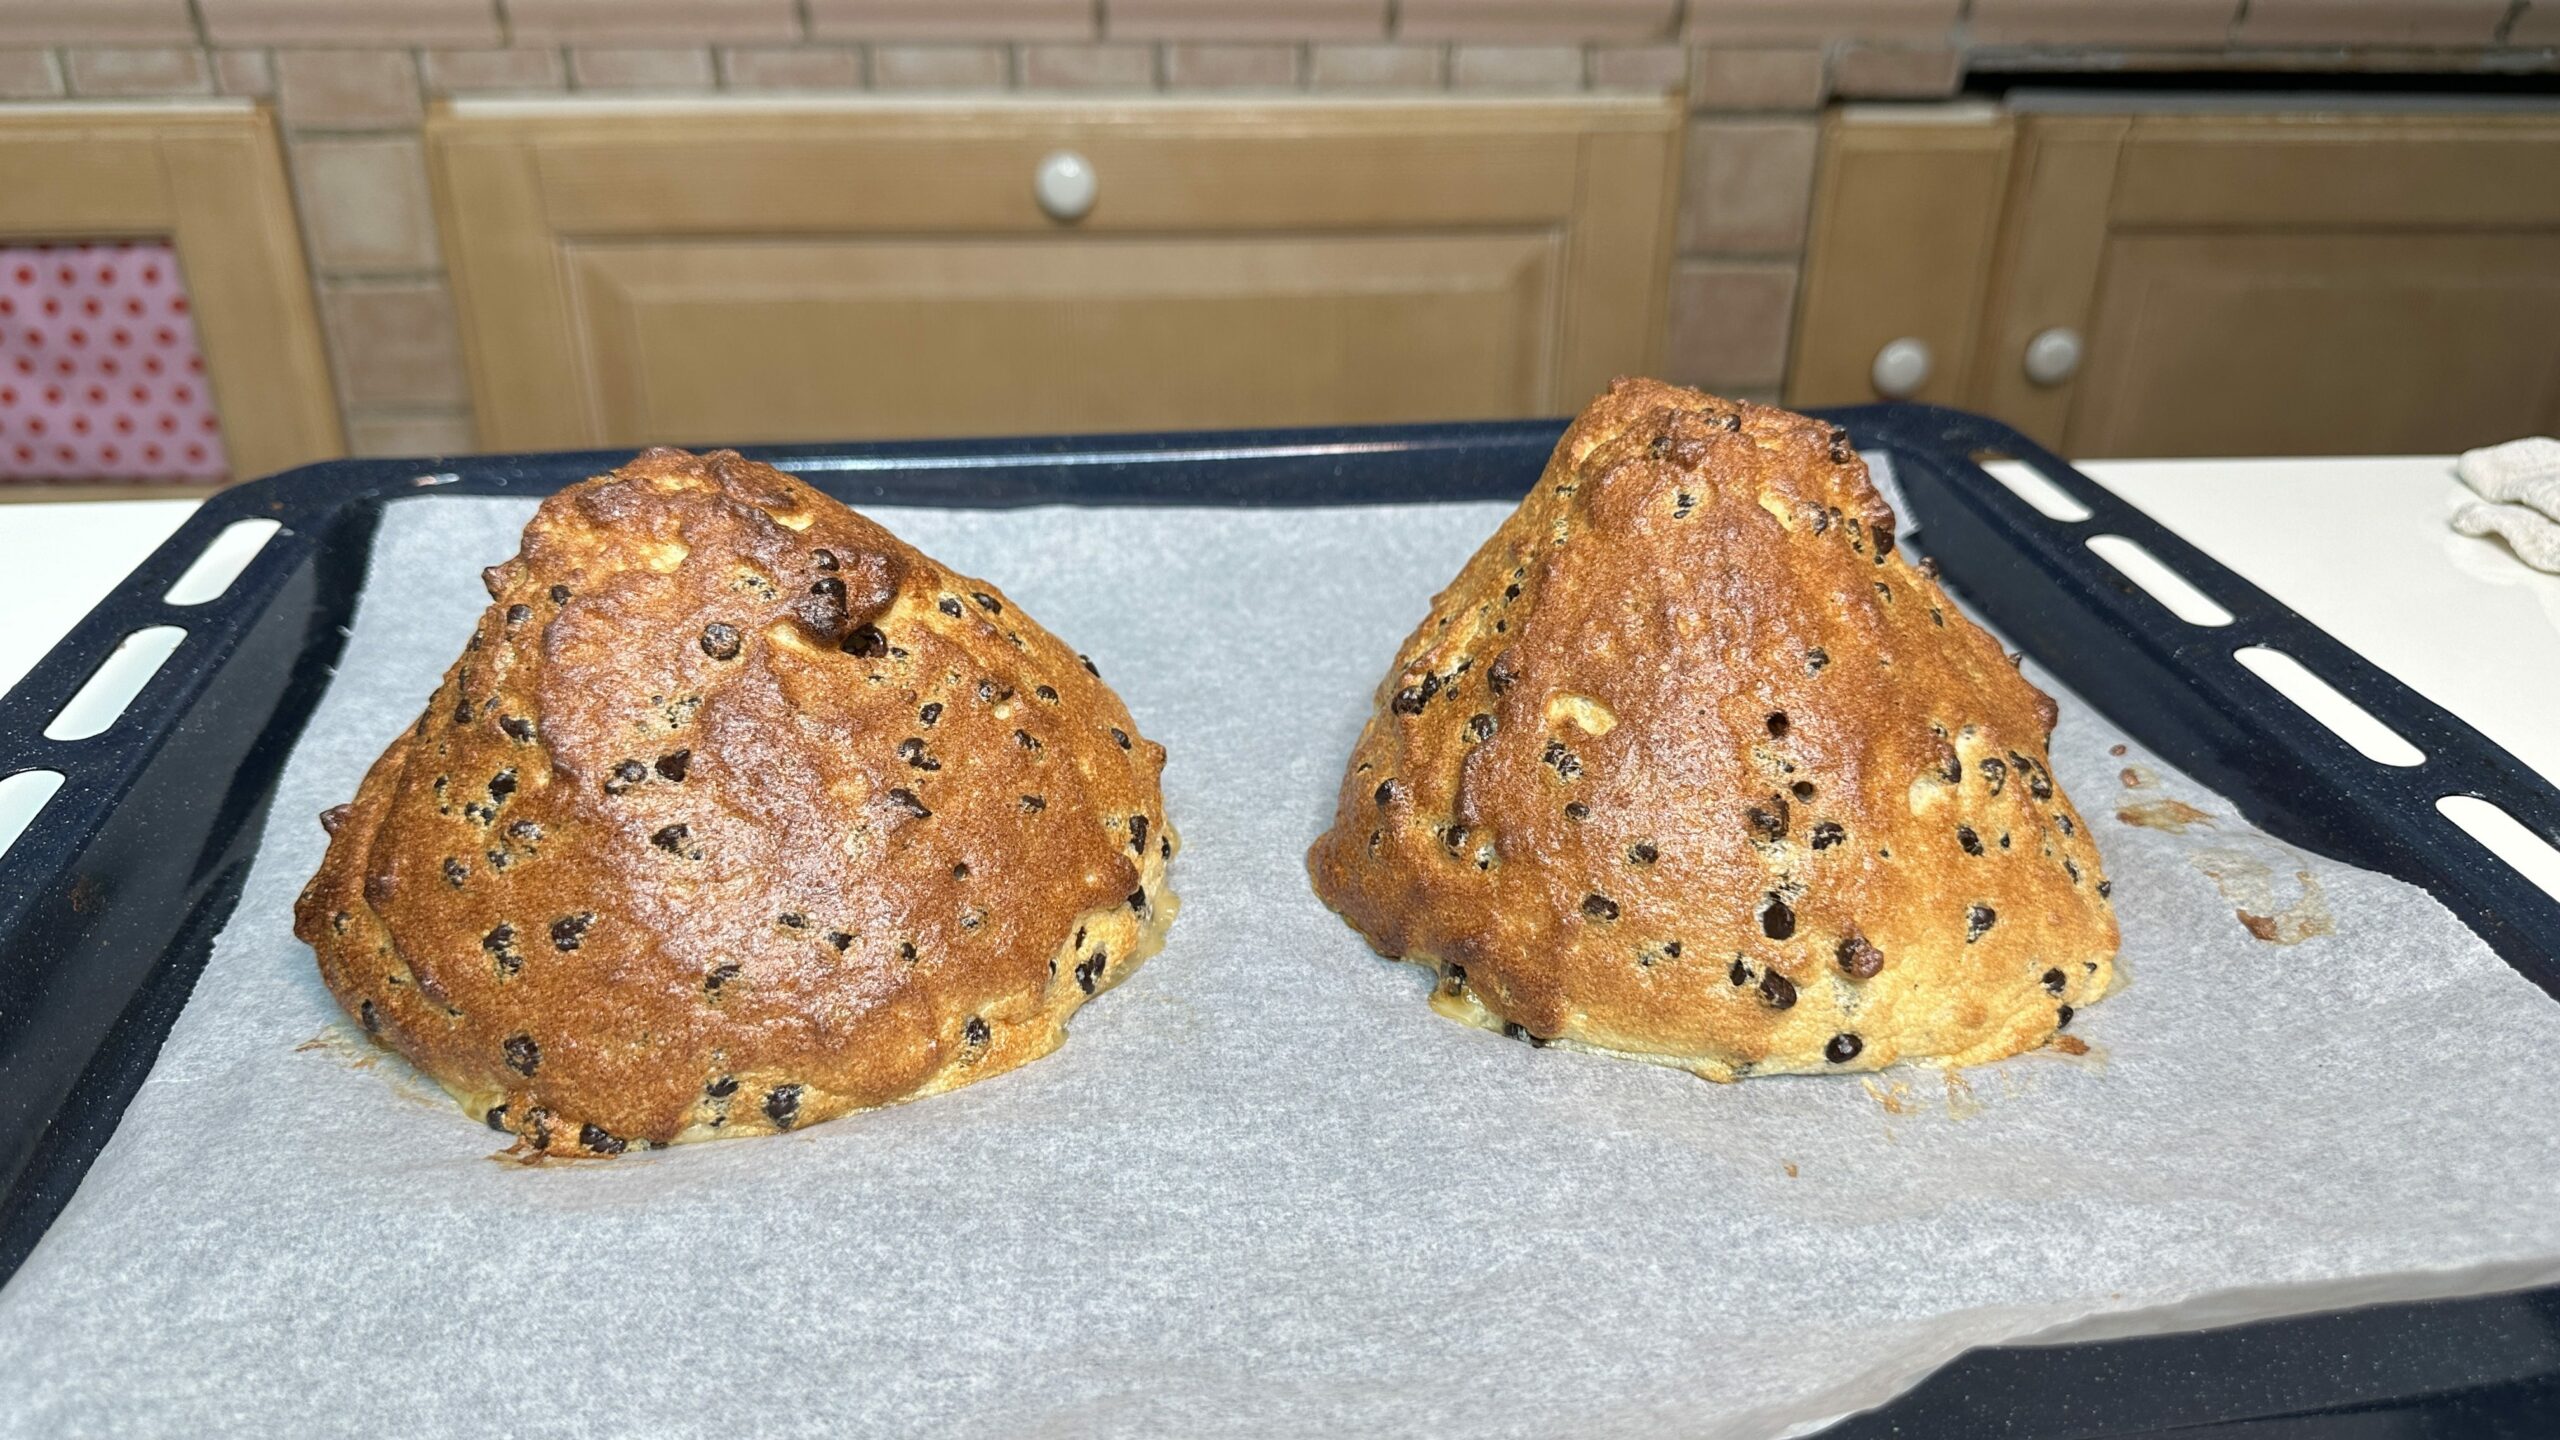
1901, 368
2053, 356
1064, 185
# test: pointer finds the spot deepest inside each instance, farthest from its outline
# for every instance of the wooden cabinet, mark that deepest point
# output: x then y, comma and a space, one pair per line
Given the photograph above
207, 177
762, 272
2236, 284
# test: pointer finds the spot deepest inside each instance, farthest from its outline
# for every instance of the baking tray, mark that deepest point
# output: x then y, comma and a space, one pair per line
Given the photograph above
111, 898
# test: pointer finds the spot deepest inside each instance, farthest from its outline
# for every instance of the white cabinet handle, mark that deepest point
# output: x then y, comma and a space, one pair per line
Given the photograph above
2053, 356
1065, 185
1901, 368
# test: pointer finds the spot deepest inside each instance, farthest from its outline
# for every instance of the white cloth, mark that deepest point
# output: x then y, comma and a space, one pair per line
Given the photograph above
2519, 488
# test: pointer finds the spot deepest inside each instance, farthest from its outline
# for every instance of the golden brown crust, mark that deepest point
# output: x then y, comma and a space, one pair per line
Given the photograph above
1688, 765
737, 813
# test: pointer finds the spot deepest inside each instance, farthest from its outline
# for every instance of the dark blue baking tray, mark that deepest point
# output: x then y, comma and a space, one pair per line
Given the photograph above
110, 900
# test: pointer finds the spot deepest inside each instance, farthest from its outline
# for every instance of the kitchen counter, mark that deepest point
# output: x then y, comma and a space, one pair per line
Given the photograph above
2357, 545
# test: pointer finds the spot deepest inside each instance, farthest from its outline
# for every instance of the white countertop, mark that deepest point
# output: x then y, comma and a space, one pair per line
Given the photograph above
2359, 546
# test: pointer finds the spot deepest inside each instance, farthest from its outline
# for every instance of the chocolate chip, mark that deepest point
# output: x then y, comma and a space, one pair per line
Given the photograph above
1033, 804
1827, 834
495, 1118
671, 838
1978, 921
1480, 728
570, 931
1565, 762
721, 1087
523, 1056
1994, 773
930, 713
720, 975
1971, 842
782, 1105
865, 641
1858, 957
951, 606
559, 594
1740, 974
1523, 1032
1119, 737
1844, 1047
517, 615
825, 610
1777, 991
501, 945
792, 920
911, 750
1777, 723
2063, 823
1023, 738
598, 1140
1138, 833
1671, 948
823, 559
905, 799
1815, 658
1453, 979
1045, 694
1643, 853
516, 727
1500, 675
1776, 920
2062, 1017
672, 765
2106, 888
625, 775
1884, 541
1803, 789
1599, 907
1950, 767
1089, 669
842, 940
720, 640
2054, 981
975, 1033
372, 1021
1841, 452
1409, 700
455, 872
1575, 810
1386, 792
986, 602
1771, 819
1138, 902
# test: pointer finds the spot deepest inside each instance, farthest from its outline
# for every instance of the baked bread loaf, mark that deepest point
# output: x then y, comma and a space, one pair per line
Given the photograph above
1689, 766
736, 814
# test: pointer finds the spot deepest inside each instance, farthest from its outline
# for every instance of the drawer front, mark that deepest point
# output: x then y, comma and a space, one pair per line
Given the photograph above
735, 273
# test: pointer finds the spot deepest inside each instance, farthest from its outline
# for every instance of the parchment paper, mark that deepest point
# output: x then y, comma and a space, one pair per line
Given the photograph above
1263, 1190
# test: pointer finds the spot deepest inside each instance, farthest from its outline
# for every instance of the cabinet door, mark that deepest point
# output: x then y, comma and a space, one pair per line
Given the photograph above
734, 272
208, 177
2261, 285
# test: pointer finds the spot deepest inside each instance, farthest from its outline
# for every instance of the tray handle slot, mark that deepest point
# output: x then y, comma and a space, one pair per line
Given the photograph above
221, 561
2505, 838
2136, 563
2323, 702
112, 688
2024, 480
22, 797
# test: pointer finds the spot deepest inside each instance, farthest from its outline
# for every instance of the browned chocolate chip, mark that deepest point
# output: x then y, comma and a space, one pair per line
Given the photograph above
1033, 804
1844, 1047
719, 975
1858, 956
1138, 833
720, 640
1386, 791
516, 727
823, 559
671, 838
1480, 727
986, 602
597, 1139
523, 1056
518, 614
721, 1087
1978, 920
1971, 842
865, 641
1771, 818
672, 765
502, 785
905, 799
975, 1033
1643, 853
1776, 990
455, 872
1119, 737
1599, 907
782, 1105
1777, 921
825, 608
625, 775
1777, 724
1409, 700
500, 942
950, 605
1025, 740
570, 931
1827, 834
1815, 658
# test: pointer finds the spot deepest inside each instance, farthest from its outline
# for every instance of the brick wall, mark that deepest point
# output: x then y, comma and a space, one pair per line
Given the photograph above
350, 78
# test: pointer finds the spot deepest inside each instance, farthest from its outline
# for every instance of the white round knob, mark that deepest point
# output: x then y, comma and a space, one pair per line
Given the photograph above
1901, 368
2053, 356
1065, 185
